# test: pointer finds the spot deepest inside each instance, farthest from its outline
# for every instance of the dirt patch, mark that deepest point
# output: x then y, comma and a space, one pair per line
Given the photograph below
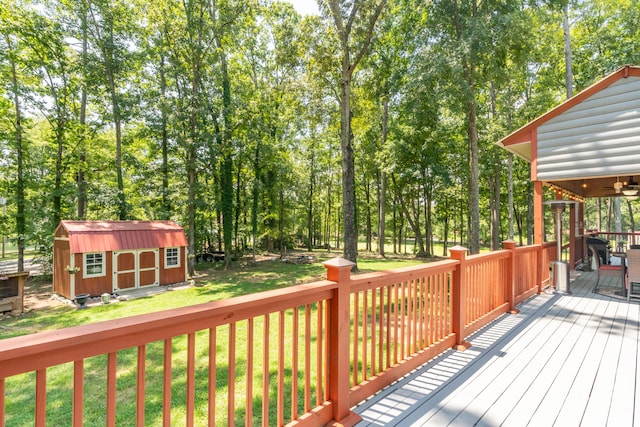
38, 294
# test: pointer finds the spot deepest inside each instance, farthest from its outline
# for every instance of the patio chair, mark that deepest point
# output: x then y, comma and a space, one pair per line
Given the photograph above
633, 273
604, 270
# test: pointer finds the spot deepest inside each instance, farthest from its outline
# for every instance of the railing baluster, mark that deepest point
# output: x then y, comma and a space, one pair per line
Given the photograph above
140, 386
412, 316
111, 389
249, 398
403, 317
388, 323
231, 376
294, 365
419, 314
365, 337
213, 342
373, 332
280, 400
381, 332
166, 383
356, 335
395, 323
191, 378
325, 350
78, 393
307, 358
265, 372
2, 402
41, 398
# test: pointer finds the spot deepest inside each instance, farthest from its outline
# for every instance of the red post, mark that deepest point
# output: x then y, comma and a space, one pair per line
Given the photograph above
538, 214
339, 270
458, 298
510, 291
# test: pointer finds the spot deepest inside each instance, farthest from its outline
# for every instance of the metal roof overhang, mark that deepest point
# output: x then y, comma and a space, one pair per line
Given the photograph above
103, 236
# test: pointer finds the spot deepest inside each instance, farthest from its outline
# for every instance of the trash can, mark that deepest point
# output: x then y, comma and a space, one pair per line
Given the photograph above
559, 277
105, 298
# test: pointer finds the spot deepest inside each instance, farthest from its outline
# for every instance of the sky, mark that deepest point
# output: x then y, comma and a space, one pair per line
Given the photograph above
305, 7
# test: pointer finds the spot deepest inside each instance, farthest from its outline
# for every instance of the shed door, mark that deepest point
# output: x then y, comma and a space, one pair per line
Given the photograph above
135, 268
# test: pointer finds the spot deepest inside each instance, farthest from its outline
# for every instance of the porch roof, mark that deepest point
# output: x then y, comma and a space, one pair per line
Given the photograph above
99, 236
590, 141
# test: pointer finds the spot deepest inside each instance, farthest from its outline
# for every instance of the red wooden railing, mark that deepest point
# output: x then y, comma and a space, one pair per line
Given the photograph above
301, 356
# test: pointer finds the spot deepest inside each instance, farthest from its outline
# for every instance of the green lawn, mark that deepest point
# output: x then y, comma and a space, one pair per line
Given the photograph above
215, 284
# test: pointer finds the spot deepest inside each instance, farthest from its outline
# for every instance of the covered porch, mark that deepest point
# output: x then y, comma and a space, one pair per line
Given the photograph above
587, 147
563, 361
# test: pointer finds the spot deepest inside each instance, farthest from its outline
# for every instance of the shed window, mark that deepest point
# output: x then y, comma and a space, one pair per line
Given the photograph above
171, 257
94, 264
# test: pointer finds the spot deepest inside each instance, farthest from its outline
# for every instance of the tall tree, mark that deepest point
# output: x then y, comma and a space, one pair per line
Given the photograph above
111, 29
355, 22
11, 52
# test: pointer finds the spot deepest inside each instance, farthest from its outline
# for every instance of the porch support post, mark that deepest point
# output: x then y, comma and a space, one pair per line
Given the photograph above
339, 270
583, 238
510, 291
538, 213
572, 236
458, 297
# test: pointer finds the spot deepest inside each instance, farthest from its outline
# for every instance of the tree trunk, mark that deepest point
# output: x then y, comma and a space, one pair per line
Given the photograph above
254, 197
510, 206
164, 141
567, 51
445, 231
382, 193
369, 225
632, 222
474, 191
57, 185
350, 233
227, 164
191, 161
346, 136
20, 202
312, 179
123, 212
494, 203
80, 178
281, 220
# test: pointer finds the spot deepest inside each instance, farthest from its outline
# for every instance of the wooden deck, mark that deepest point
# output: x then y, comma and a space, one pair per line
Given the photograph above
564, 360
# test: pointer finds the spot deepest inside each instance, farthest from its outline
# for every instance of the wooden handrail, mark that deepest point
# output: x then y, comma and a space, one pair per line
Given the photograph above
31, 352
369, 330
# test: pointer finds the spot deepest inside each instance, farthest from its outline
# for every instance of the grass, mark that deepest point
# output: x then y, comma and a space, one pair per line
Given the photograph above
215, 284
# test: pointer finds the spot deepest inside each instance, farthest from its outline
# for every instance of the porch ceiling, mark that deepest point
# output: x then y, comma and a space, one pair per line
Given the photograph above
592, 187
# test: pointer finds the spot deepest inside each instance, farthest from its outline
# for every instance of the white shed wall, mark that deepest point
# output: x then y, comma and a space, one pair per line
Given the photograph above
598, 137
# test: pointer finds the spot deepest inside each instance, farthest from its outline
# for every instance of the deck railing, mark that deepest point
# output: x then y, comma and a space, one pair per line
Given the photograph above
302, 355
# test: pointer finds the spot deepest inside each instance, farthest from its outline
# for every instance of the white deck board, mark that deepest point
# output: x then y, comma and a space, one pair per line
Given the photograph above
564, 360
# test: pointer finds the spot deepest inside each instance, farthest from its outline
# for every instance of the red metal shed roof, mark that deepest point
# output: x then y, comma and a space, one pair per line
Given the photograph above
99, 236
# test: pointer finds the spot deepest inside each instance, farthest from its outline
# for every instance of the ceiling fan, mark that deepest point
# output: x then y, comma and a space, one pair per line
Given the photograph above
630, 188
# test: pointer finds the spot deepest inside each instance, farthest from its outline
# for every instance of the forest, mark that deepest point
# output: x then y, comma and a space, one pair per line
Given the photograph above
259, 129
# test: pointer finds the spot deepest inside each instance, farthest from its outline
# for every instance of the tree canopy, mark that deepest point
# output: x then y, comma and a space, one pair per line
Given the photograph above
257, 128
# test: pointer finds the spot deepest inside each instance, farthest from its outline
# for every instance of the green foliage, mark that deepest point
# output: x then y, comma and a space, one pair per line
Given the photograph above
225, 116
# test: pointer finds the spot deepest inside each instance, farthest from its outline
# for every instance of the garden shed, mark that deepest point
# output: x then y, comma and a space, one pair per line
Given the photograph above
97, 257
